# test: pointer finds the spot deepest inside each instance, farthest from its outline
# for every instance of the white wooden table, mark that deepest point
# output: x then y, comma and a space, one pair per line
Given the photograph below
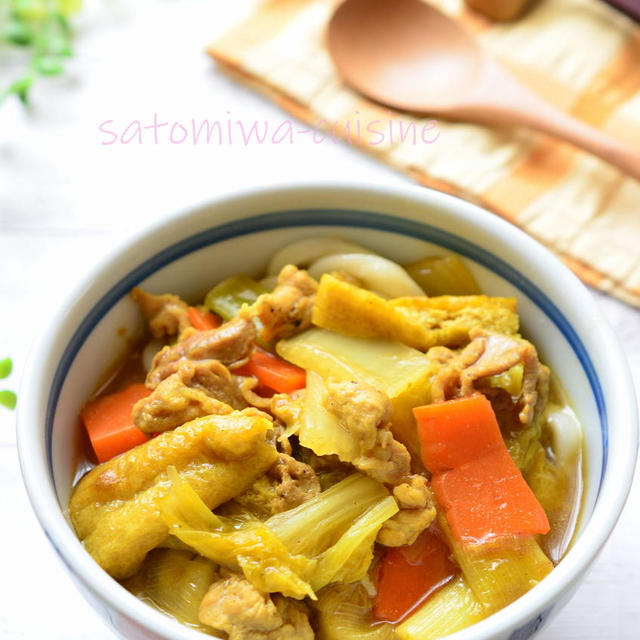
65, 200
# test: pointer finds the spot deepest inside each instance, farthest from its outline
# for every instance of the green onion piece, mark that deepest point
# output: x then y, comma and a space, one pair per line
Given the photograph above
443, 275
8, 399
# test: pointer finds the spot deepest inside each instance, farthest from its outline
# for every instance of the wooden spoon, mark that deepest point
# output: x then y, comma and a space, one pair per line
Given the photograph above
407, 55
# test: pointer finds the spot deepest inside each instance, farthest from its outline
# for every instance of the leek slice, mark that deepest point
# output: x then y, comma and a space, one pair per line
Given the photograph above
270, 574
263, 559
241, 543
320, 430
171, 542
403, 373
318, 523
348, 560
176, 583
443, 275
344, 613
228, 297
389, 366
450, 609
340, 524
500, 571
182, 506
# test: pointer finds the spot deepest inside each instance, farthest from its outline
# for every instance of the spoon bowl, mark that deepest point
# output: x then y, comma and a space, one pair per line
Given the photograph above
402, 55
408, 55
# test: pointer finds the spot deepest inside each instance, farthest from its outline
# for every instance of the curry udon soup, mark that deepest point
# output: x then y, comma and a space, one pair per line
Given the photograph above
344, 448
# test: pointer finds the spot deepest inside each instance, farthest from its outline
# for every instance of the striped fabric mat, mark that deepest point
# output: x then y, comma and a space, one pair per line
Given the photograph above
579, 54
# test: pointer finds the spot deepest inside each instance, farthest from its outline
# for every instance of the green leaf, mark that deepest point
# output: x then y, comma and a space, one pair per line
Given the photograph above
48, 65
54, 36
19, 88
43, 28
8, 399
6, 367
60, 45
52, 40
63, 24
18, 32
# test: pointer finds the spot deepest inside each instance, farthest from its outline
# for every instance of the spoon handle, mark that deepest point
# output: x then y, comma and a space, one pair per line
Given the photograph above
519, 106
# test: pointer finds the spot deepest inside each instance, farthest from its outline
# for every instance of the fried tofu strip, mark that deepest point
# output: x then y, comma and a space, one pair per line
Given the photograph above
452, 315
418, 322
113, 508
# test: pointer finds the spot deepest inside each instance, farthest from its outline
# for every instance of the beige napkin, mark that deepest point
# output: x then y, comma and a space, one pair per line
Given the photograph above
579, 54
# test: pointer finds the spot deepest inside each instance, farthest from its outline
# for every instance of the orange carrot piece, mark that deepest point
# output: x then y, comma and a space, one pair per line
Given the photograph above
109, 425
455, 432
488, 498
407, 576
474, 478
203, 320
273, 372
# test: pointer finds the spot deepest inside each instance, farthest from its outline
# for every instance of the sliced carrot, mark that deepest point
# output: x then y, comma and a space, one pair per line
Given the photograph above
455, 432
273, 372
407, 576
488, 498
203, 320
474, 478
109, 425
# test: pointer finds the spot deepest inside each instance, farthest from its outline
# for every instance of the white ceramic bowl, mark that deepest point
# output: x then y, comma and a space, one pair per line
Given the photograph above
193, 249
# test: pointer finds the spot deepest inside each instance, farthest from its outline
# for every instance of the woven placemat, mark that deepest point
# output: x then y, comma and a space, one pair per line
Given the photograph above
579, 54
